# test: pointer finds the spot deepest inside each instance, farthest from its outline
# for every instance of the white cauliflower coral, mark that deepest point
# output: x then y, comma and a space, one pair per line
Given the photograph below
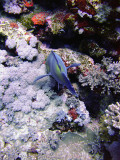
113, 115
23, 50
26, 51
14, 6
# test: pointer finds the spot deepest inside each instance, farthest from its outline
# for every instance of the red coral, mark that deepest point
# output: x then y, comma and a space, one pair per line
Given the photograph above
73, 114
83, 5
28, 4
13, 25
39, 18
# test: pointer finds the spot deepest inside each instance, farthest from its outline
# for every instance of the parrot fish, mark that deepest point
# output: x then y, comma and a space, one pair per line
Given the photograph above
57, 69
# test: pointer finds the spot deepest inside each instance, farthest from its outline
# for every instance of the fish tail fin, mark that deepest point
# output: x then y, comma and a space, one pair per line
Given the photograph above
68, 85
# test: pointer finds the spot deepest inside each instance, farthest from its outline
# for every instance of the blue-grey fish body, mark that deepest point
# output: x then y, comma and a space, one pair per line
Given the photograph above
57, 69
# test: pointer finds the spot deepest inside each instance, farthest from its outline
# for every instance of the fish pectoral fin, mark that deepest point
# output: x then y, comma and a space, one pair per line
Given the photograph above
73, 65
40, 77
68, 85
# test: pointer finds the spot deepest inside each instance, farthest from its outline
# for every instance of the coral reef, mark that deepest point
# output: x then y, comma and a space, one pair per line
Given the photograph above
17, 38
26, 20
102, 13
8, 29
27, 111
40, 121
110, 124
105, 77
56, 22
75, 118
19, 88
15, 6
110, 129
23, 50
87, 19
69, 57
94, 49
113, 116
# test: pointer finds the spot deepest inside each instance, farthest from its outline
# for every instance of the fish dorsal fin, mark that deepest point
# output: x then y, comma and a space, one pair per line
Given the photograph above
56, 60
68, 85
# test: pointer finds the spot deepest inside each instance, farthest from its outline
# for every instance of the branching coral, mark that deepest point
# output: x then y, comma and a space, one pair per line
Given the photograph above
102, 77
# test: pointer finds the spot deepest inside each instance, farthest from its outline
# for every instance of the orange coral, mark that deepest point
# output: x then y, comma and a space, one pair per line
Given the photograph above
28, 4
39, 18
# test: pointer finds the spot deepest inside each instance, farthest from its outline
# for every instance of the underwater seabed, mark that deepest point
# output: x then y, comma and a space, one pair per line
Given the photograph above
41, 121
